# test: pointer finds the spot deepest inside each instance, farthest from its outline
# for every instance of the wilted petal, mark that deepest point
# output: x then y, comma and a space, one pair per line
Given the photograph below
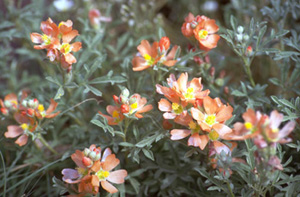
70, 175
287, 129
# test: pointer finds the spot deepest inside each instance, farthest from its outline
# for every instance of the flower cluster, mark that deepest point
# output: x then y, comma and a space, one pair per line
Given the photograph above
203, 29
265, 132
157, 54
191, 107
56, 39
126, 106
28, 113
94, 169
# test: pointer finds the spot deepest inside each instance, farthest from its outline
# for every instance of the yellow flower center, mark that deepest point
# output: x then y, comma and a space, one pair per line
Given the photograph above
102, 174
192, 125
115, 114
66, 47
41, 108
213, 135
275, 130
14, 102
134, 105
46, 39
203, 34
189, 93
177, 108
210, 119
24, 126
147, 57
248, 125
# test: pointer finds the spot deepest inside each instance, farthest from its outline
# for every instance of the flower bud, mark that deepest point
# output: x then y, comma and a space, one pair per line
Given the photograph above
249, 51
207, 66
132, 99
239, 37
31, 103
7, 104
4, 111
92, 155
164, 44
198, 103
125, 92
98, 156
167, 125
30, 112
240, 29
86, 151
194, 24
123, 99
87, 162
219, 82
116, 99
246, 37
124, 108
186, 30
24, 103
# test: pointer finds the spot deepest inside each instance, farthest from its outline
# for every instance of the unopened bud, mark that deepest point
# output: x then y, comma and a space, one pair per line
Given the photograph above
198, 103
219, 82
92, 155
24, 103
87, 162
116, 99
86, 151
124, 108
240, 29
7, 104
4, 111
164, 44
194, 24
125, 92
30, 112
246, 37
239, 37
98, 156
206, 66
132, 99
31, 104
123, 99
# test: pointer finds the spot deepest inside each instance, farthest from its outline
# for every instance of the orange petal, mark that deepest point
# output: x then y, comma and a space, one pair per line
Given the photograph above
222, 129
184, 119
110, 120
76, 46
210, 26
210, 42
197, 114
164, 105
145, 109
117, 176
68, 37
169, 63
77, 158
139, 64
96, 166
182, 82
210, 105
69, 58
249, 116
177, 134
22, 140
36, 38
198, 141
110, 162
108, 187
168, 115
172, 53
224, 114
65, 27
13, 131
51, 107
144, 48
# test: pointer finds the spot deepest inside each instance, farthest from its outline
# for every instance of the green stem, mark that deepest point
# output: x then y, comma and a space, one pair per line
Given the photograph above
126, 125
230, 190
40, 137
247, 64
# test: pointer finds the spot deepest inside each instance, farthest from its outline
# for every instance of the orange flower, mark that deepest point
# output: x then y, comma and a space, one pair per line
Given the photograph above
213, 116
156, 54
190, 23
181, 91
104, 173
132, 106
49, 40
116, 115
205, 34
10, 103
26, 127
41, 113
199, 138
56, 39
95, 18
249, 129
